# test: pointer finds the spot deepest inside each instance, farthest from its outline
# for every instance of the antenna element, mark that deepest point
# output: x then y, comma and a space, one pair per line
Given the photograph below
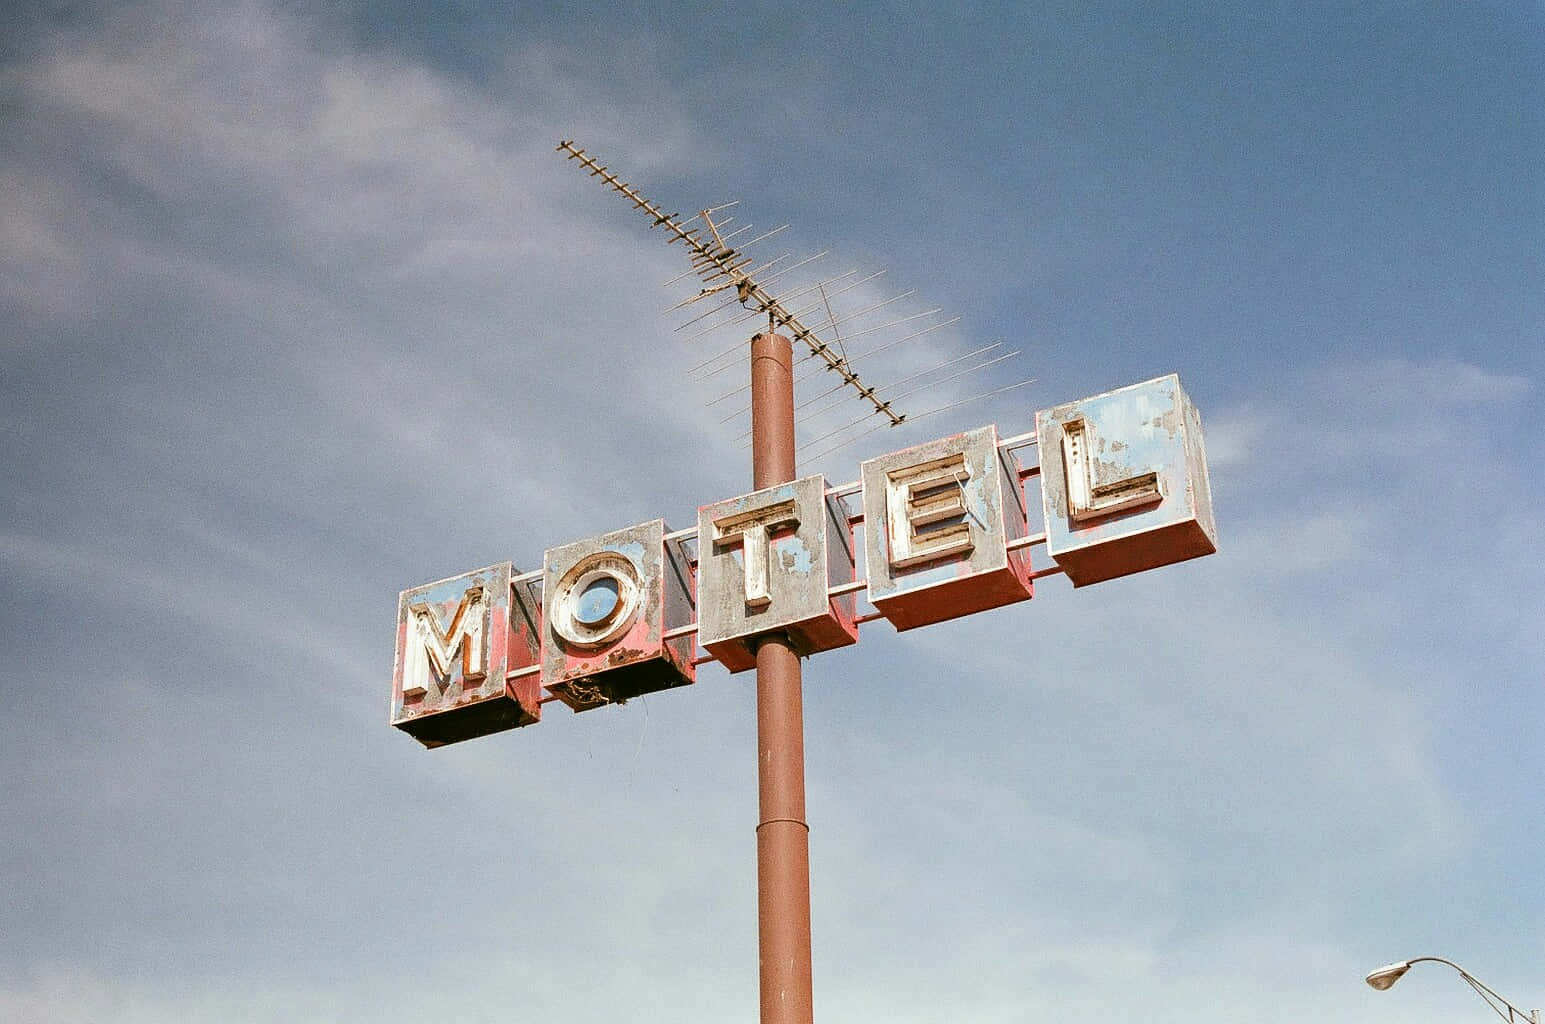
714, 260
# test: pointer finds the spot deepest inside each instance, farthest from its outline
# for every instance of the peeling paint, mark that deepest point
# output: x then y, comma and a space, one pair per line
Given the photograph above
795, 598
796, 557
621, 654
454, 668
1147, 431
966, 576
932, 553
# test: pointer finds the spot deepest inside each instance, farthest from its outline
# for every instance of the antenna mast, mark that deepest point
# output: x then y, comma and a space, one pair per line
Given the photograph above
722, 267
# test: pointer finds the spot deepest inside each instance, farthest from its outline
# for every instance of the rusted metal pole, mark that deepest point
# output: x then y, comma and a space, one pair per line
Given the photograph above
782, 836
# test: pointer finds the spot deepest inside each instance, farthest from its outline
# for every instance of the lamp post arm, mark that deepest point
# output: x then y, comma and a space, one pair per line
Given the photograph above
1486, 992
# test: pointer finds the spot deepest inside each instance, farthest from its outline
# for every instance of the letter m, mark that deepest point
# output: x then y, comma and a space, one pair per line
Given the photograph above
432, 649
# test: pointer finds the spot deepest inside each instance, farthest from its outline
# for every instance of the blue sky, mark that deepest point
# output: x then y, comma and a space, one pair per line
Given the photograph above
299, 308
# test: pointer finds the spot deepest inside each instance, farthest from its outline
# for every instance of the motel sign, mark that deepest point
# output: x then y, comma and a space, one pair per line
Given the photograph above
947, 532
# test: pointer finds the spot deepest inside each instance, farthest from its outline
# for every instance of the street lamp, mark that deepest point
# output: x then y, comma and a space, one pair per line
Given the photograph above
1383, 977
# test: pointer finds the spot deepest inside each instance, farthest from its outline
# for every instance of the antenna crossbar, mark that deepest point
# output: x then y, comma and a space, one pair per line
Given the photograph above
714, 259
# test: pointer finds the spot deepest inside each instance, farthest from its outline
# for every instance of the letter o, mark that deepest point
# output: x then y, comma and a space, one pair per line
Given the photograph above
597, 601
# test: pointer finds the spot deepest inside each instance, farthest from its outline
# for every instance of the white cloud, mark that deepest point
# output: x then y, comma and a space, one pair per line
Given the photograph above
1440, 382
1236, 437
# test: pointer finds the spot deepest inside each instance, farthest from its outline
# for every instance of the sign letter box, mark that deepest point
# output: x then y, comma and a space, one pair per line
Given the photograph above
765, 561
607, 601
937, 519
456, 641
1124, 482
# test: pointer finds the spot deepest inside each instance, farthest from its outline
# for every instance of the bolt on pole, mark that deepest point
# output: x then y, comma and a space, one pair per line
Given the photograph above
782, 835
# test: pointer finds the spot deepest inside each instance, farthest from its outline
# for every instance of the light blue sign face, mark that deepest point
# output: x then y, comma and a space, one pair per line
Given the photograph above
1124, 482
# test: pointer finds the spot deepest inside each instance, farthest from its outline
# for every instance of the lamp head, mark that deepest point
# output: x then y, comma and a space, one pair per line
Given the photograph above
1385, 976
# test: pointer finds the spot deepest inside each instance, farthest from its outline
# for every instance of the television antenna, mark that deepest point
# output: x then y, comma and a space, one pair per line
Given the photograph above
723, 267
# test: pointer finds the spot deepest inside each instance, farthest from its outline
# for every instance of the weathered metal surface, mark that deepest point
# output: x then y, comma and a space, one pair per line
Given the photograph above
1124, 486
456, 642
937, 520
1124, 482
806, 544
607, 601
